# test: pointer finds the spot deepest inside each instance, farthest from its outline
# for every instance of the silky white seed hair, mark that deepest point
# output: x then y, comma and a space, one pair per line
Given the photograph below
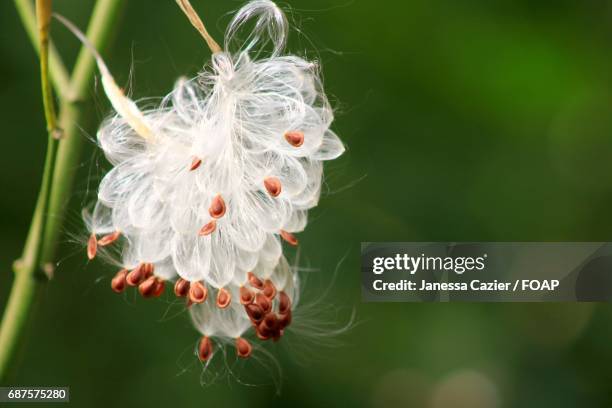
204, 185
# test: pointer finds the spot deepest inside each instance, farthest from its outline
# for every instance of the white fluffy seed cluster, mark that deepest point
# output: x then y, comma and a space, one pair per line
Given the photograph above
204, 186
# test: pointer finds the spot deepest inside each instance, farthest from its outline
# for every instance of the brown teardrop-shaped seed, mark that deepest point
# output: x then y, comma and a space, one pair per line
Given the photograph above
224, 298
147, 269
269, 290
208, 228
264, 331
264, 302
118, 282
246, 296
295, 138
197, 292
255, 281
181, 287
273, 186
109, 238
262, 335
160, 285
284, 319
92, 247
254, 312
136, 276
243, 348
205, 349
284, 302
289, 237
217, 207
270, 322
147, 288
195, 163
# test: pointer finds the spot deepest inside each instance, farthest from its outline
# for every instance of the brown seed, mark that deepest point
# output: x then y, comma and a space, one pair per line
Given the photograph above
264, 302
246, 296
269, 290
270, 322
118, 282
208, 228
160, 285
181, 287
92, 247
197, 292
147, 269
254, 281
273, 185
289, 237
243, 348
205, 349
284, 319
262, 335
136, 276
295, 138
224, 298
195, 163
254, 312
277, 335
109, 238
284, 302
217, 207
147, 288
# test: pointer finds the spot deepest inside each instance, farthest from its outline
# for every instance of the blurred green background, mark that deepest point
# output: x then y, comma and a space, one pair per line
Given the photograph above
464, 120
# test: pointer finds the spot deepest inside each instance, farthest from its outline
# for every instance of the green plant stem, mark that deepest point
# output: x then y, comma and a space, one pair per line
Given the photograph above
57, 70
99, 34
43, 17
49, 212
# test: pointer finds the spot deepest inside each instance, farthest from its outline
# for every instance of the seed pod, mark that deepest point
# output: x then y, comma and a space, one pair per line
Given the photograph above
217, 223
